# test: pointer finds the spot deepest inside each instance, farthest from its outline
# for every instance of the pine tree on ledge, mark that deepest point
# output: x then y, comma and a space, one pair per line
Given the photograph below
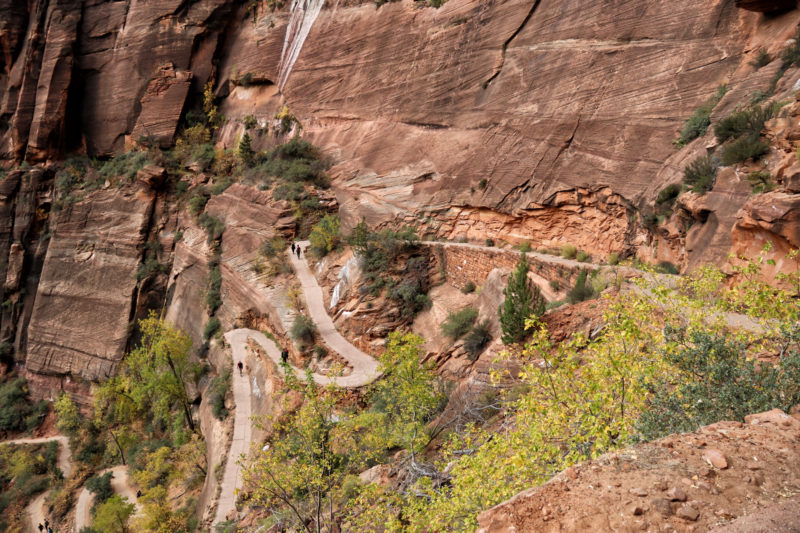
523, 300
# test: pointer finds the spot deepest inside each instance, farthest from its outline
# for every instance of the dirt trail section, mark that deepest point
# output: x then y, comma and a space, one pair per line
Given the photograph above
727, 476
365, 367
120, 482
36, 507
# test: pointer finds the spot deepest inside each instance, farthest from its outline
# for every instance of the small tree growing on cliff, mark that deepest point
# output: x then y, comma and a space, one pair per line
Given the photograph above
523, 300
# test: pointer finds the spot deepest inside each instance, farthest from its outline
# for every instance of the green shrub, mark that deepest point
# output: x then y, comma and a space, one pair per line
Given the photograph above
203, 155
220, 185
747, 121
716, 381
665, 267
760, 181
250, 122
213, 227
555, 285
289, 191
125, 165
744, 148
489, 242
218, 388
459, 323
581, 291
477, 339
668, 195
101, 487
698, 123
568, 251
700, 174
273, 247
524, 247
583, 257
303, 329
468, 288
212, 327
214, 288
613, 258
17, 412
762, 59
197, 203
410, 297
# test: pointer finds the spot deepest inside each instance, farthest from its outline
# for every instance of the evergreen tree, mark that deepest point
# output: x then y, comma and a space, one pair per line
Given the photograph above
246, 152
523, 300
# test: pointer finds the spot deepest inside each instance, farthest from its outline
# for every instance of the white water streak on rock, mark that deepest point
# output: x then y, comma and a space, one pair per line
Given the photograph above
304, 14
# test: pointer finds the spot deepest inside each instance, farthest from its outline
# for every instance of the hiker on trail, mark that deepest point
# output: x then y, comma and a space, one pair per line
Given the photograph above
41, 527
241, 366
47, 524
138, 494
298, 251
292, 247
284, 355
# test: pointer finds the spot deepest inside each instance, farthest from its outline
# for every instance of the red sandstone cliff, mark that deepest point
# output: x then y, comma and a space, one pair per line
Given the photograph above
539, 120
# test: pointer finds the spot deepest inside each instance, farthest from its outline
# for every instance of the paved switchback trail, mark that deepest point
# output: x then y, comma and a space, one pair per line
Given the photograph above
364, 371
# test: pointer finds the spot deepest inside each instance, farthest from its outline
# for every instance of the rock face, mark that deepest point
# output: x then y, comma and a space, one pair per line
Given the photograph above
89, 73
668, 485
548, 121
79, 323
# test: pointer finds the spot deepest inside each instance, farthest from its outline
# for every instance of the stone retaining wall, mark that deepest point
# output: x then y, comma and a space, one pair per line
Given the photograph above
464, 264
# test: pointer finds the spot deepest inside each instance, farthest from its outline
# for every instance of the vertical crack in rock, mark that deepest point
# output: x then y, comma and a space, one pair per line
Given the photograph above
499, 68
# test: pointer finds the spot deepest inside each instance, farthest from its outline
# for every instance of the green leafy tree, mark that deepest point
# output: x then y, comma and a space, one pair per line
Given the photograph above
113, 515
300, 474
407, 396
68, 419
325, 235
153, 378
522, 301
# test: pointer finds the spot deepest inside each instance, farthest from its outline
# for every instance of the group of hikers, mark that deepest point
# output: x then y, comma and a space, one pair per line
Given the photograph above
296, 249
46, 526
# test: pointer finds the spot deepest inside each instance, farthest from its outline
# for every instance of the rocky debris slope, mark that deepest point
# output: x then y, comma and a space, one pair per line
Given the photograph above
687, 482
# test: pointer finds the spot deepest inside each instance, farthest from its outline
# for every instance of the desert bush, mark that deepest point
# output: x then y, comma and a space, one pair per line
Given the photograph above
700, 174
697, 124
581, 290
613, 258
760, 181
568, 251
410, 298
101, 487
762, 59
125, 165
477, 339
218, 388
715, 381
746, 121
667, 196
489, 242
468, 287
17, 411
303, 329
583, 257
212, 226
197, 203
744, 148
665, 267
212, 326
459, 323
